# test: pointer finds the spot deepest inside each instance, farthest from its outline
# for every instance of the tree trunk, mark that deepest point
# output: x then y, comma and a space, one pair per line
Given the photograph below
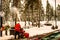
32, 13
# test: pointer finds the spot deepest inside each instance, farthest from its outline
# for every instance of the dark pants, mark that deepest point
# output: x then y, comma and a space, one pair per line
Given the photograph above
17, 33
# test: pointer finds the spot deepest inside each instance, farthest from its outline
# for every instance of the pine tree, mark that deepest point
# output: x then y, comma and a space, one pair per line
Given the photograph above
16, 3
40, 12
29, 9
51, 13
48, 11
33, 9
58, 12
25, 12
5, 8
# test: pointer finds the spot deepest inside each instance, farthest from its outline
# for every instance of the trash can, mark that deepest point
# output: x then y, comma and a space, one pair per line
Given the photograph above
12, 32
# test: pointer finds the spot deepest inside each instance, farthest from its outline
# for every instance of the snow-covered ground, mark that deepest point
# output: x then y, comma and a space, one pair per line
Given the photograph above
38, 31
43, 29
33, 31
22, 23
6, 37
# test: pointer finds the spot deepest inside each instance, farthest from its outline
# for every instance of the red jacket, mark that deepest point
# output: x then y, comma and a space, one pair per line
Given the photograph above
17, 27
26, 35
